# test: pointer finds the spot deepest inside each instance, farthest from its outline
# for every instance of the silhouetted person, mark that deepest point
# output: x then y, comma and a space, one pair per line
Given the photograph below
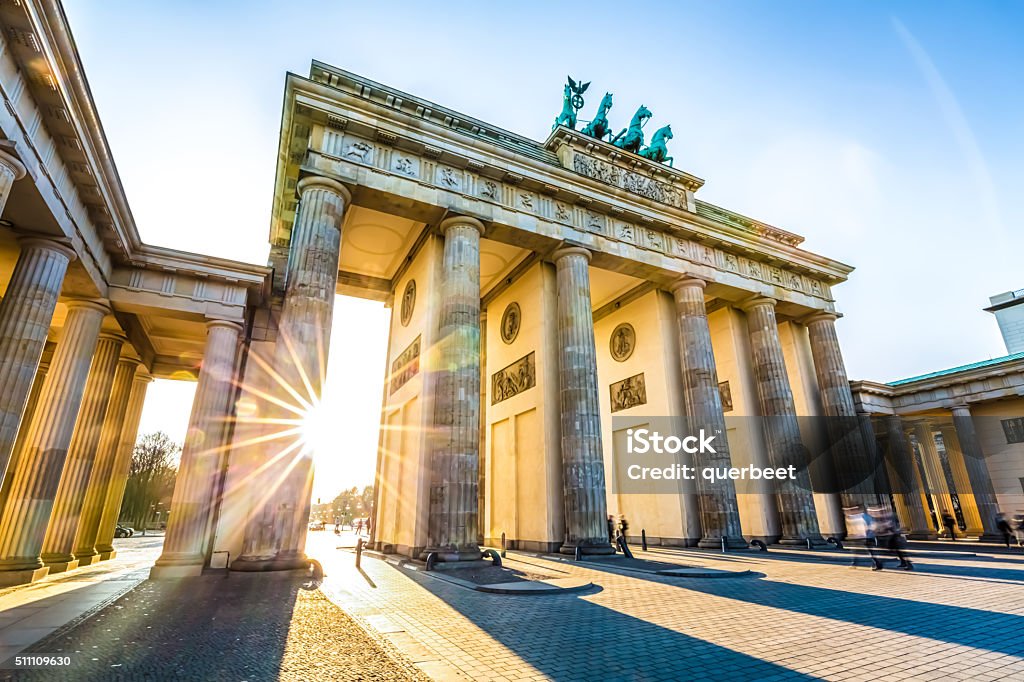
888, 535
1005, 528
611, 529
359, 527
949, 522
623, 526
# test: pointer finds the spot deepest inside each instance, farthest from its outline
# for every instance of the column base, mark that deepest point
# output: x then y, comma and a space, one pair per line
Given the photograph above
61, 566
87, 559
275, 563
994, 537
23, 576
716, 543
588, 548
816, 541
452, 555
172, 572
106, 556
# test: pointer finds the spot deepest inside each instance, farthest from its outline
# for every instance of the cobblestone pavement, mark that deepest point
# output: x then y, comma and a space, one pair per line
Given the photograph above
797, 618
247, 627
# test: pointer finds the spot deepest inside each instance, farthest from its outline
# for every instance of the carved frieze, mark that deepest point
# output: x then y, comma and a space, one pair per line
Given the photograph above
514, 379
649, 188
405, 366
629, 393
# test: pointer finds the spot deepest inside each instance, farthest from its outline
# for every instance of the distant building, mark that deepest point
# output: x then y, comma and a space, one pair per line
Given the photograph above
1009, 311
964, 427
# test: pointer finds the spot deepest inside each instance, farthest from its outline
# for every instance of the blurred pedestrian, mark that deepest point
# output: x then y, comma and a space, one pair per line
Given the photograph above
949, 522
1018, 526
623, 526
860, 529
889, 535
359, 527
1004, 527
611, 529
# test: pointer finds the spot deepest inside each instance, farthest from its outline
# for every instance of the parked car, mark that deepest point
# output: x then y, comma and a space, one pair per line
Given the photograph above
317, 525
123, 531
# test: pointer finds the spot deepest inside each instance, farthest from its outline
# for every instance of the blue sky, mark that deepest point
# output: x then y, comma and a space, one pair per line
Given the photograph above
888, 134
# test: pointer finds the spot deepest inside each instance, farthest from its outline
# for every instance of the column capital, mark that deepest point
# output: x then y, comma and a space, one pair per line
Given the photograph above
114, 336
565, 251
16, 166
756, 302
228, 324
143, 377
687, 282
323, 183
129, 360
451, 222
88, 304
962, 410
41, 242
820, 316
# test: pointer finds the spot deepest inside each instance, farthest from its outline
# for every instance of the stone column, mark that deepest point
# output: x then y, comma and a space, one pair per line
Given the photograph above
194, 491
851, 456
127, 435
59, 543
967, 457
27, 513
11, 170
452, 525
906, 481
785, 446
276, 531
586, 503
719, 509
935, 477
106, 451
19, 444
25, 313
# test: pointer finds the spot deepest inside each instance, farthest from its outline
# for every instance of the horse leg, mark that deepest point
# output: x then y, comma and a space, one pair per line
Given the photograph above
668, 159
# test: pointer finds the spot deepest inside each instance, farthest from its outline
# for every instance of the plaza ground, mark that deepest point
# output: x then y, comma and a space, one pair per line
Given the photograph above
799, 615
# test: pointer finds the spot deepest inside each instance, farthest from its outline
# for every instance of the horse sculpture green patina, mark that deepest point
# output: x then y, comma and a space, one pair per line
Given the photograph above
658, 151
568, 116
599, 127
632, 138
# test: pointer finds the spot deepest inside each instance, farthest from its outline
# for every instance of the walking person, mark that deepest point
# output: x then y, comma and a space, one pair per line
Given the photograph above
1004, 527
623, 526
611, 529
860, 528
949, 522
1018, 526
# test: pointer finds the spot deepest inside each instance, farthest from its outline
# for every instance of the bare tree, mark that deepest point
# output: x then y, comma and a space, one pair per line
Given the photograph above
150, 477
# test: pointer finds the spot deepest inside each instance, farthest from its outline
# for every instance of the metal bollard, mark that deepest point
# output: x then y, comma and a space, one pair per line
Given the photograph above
724, 544
579, 553
809, 544
431, 560
504, 547
643, 538
359, 551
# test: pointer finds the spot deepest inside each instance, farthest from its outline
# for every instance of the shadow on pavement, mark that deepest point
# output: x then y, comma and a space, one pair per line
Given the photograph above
977, 628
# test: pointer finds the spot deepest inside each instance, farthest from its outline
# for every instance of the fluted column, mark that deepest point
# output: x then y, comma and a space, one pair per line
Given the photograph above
11, 170
851, 456
19, 444
785, 446
455, 437
583, 480
938, 485
719, 509
967, 457
30, 500
906, 481
276, 531
195, 488
106, 451
59, 543
25, 313
127, 435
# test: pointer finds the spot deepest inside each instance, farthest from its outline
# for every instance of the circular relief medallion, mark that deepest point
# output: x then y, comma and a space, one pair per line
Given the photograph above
623, 342
408, 302
510, 321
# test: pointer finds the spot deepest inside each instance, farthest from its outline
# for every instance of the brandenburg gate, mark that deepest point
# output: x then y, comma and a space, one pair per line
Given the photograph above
546, 297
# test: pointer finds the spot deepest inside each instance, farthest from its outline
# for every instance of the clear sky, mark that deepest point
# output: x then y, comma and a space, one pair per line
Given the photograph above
888, 134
